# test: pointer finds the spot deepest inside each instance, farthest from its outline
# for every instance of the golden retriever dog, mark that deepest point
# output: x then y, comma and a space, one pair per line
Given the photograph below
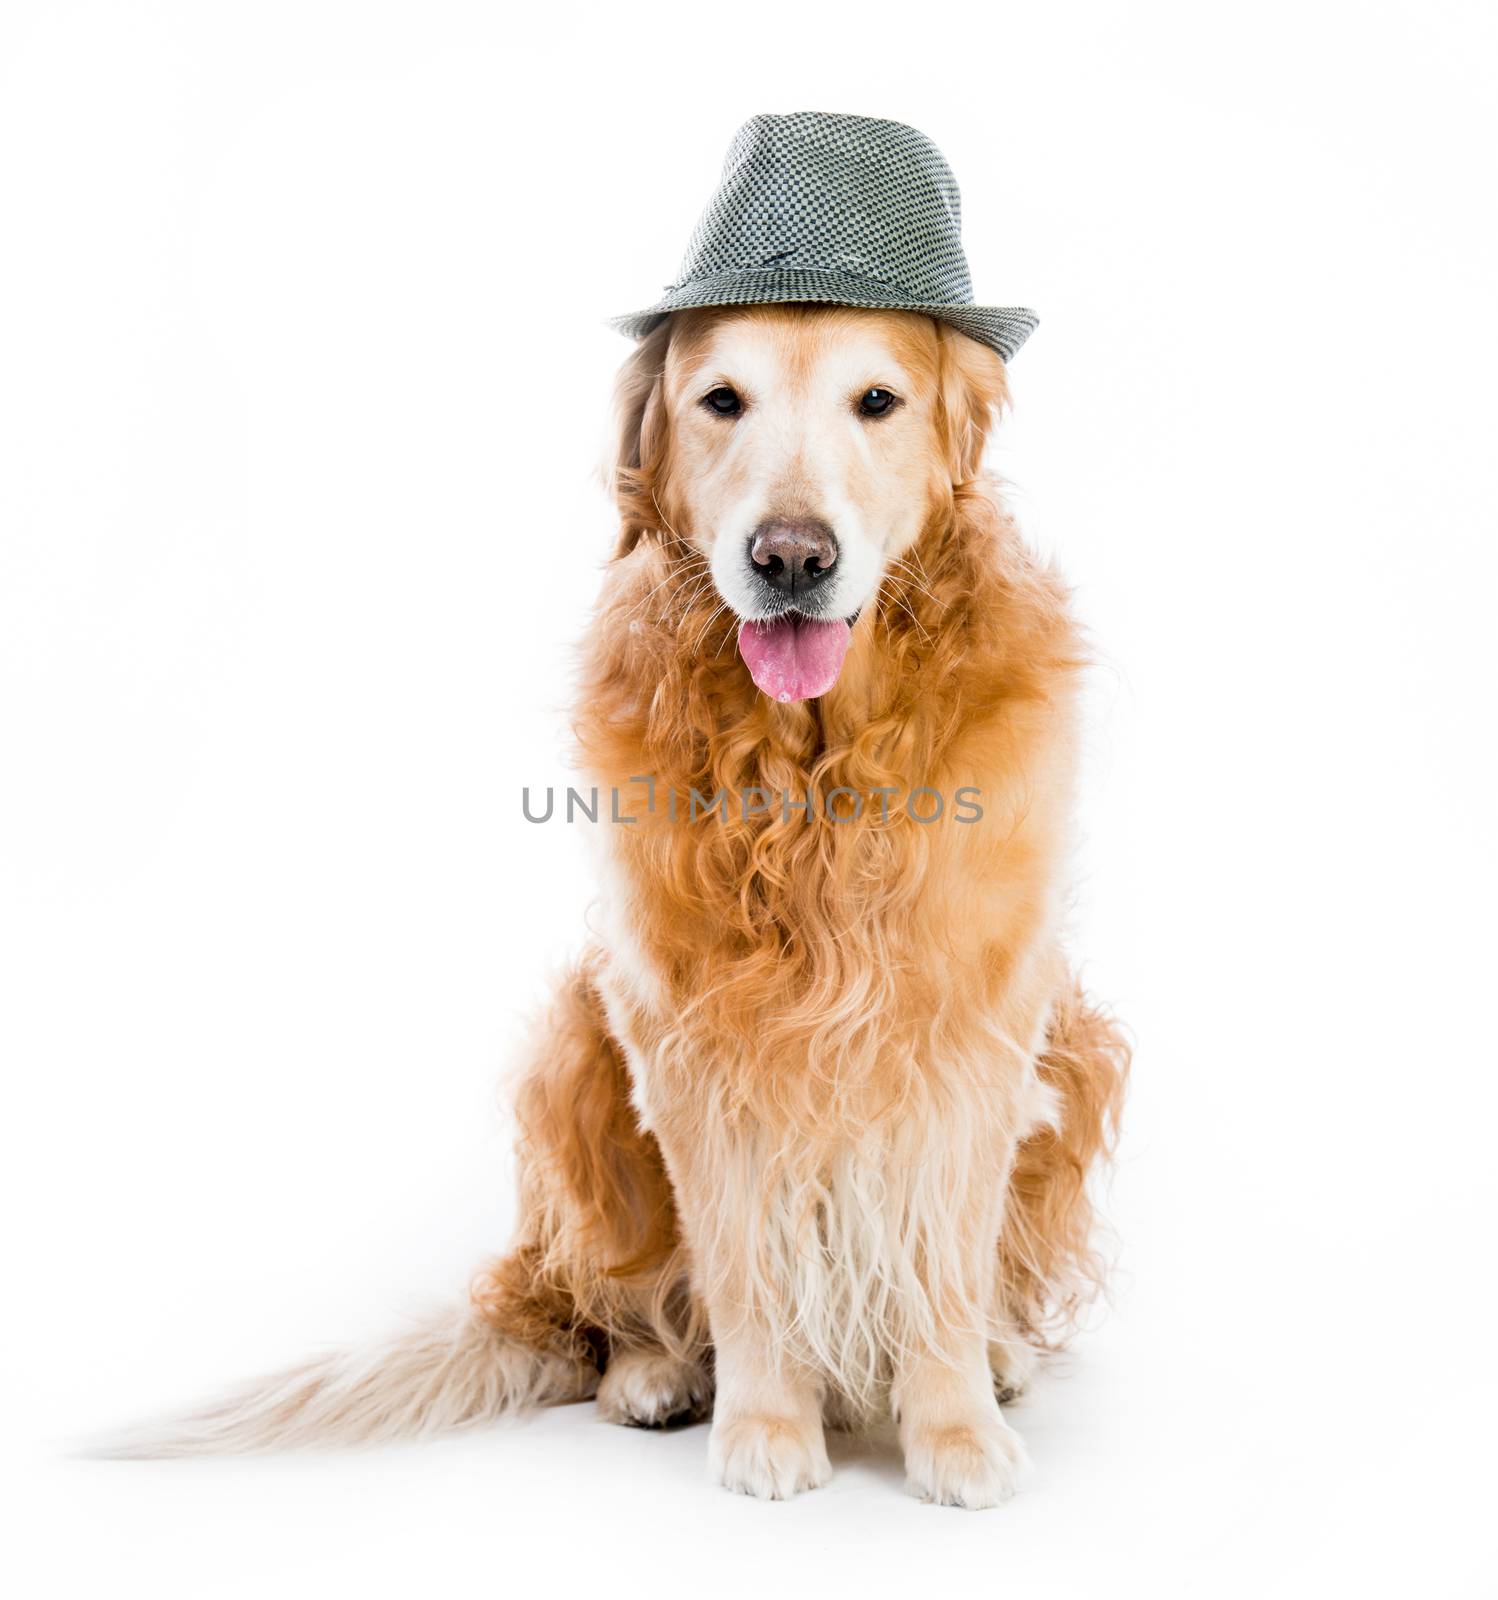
806, 1137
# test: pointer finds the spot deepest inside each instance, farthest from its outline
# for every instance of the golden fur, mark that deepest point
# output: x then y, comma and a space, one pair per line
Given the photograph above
813, 1122
804, 995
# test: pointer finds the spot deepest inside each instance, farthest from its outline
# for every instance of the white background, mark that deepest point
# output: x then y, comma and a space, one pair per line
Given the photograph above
302, 386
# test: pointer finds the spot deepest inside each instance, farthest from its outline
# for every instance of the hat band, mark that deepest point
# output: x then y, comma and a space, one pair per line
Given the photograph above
824, 272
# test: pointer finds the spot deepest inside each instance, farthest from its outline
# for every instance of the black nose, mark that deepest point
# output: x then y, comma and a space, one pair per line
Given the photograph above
793, 555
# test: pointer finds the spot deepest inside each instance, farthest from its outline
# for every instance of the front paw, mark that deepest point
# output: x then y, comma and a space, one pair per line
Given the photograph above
770, 1457
971, 1464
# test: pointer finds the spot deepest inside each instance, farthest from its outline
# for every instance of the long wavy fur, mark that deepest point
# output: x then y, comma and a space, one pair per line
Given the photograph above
826, 969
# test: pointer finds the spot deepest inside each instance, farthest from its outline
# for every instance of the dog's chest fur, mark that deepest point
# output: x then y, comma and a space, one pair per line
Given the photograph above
846, 1135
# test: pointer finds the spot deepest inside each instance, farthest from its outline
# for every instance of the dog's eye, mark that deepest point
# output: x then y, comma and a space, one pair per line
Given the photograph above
877, 402
723, 401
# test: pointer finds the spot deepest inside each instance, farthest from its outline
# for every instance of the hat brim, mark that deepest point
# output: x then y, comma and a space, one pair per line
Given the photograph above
1002, 328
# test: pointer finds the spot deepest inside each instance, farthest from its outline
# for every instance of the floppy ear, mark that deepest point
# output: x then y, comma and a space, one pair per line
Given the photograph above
972, 392
639, 438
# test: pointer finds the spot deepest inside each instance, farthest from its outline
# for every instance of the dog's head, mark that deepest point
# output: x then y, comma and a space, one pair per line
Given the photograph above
799, 451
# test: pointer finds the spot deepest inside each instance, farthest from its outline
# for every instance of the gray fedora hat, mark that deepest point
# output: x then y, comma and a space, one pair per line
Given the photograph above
848, 211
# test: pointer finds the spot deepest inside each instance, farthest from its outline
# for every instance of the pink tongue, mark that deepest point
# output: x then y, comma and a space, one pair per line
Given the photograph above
792, 658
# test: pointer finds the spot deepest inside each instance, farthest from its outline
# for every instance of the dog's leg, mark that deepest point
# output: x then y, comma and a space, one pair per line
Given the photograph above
596, 1266
767, 1435
767, 1421
959, 1451
645, 1386
1047, 1256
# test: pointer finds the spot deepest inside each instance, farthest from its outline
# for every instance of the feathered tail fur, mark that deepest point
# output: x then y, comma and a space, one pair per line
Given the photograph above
450, 1372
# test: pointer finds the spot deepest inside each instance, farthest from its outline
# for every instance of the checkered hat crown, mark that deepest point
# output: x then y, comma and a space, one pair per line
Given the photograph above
837, 209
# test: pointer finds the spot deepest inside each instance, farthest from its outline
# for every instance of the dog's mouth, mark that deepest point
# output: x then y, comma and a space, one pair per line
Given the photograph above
792, 657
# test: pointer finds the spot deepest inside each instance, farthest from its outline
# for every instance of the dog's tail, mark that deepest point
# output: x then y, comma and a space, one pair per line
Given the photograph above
449, 1372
